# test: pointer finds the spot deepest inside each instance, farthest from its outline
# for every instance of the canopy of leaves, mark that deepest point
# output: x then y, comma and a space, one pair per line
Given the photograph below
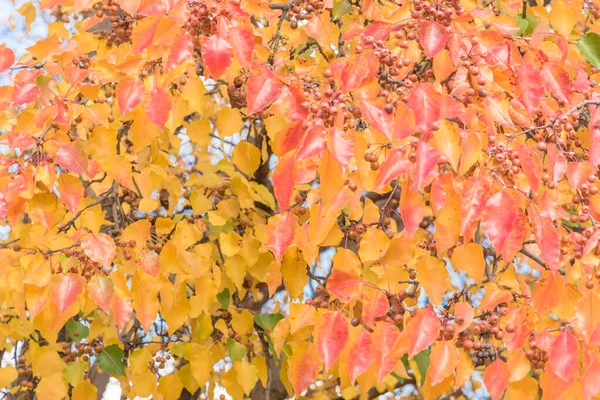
254, 196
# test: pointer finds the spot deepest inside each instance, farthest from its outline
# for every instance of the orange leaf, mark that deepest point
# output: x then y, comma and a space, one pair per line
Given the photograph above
443, 361
359, 355
375, 304
303, 367
99, 247
64, 289
331, 334
280, 233
423, 330
496, 378
564, 357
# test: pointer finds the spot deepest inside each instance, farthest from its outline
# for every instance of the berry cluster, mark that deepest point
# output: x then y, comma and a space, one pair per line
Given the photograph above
237, 93
321, 299
326, 102
120, 22
536, 356
82, 61
26, 378
159, 361
484, 355
83, 351
442, 12
201, 21
304, 10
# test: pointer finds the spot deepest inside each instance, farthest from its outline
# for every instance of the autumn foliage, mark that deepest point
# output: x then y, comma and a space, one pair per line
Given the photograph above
320, 198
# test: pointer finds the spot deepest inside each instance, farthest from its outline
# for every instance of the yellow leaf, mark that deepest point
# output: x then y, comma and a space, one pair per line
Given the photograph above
194, 92
229, 121
230, 243
242, 322
246, 157
201, 365
28, 11
7, 375
199, 132
293, 269
52, 387
562, 18
170, 387
373, 245
85, 391
518, 365
148, 205
469, 258
206, 296
45, 361
260, 362
200, 203
247, 375
433, 275
525, 389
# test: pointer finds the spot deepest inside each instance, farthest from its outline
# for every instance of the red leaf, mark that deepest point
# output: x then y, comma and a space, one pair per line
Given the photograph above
427, 159
498, 218
99, 247
181, 50
432, 37
496, 378
395, 164
557, 81
313, 143
424, 328
331, 334
557, 164
475, 195
130, 93
532, 166
122, 310
531, 85
373, 111
385, 337
71, 191
263, 88
73, 158
412, 209
429, 106
101, 290
547, 237
280, 233
340, 143
345, 284
7, 58
284, 178
524, 323
143, 33
159, 107
357, 70
64, 289
26, 90
564, 357
375, 304
360, 355
594, 128
216, 56
241, 39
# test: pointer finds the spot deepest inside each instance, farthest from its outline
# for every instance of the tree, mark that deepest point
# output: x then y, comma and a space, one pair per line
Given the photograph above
327, 198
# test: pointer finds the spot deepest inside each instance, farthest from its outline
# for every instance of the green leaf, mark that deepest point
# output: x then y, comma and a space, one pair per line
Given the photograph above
341, 8
267, 321
422, 360
73, 372
224, 298
527, 24
111, 360
76, 330
589, 46
236, 350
